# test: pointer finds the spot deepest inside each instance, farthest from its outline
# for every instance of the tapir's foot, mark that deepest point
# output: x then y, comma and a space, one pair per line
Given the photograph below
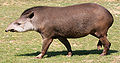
103, 54
40, 56
69, 54
99, 47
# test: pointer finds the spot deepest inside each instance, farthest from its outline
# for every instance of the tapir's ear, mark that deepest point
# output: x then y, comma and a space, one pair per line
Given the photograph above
30, 15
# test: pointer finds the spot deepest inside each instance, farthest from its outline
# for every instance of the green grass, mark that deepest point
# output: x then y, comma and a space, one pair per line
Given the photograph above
23, 47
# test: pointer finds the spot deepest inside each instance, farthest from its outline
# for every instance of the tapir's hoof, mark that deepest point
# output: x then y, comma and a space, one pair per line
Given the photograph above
99, 47
38, 58
69, 54
103, 54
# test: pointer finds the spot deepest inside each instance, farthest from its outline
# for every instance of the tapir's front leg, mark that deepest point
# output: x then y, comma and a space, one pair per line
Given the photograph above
45, 46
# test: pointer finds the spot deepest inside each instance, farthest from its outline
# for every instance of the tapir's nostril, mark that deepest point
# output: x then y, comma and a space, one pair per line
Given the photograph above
6, 30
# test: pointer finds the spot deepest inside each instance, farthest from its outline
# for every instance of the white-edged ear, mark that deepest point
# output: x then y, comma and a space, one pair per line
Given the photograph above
30, 15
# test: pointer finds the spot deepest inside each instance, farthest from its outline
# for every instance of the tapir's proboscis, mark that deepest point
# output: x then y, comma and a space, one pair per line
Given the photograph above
66, 22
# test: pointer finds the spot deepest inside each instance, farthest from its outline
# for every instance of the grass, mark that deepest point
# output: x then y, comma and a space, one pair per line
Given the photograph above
23, 47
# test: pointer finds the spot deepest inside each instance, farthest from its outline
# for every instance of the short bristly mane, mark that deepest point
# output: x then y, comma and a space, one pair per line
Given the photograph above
32, 9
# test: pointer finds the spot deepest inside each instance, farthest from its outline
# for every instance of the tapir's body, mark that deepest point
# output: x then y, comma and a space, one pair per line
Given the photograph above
66, 22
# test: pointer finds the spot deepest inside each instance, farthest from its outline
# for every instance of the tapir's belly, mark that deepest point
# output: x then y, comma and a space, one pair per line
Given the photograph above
73, 33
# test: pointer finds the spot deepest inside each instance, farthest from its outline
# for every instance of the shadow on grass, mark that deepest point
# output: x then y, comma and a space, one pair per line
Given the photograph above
76, 52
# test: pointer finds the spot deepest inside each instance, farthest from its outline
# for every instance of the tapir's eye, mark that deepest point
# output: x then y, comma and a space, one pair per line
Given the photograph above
18, 23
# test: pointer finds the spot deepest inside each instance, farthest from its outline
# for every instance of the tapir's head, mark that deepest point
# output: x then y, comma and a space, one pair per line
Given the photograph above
23, 24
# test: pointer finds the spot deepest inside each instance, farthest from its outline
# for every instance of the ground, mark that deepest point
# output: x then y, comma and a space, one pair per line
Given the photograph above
23, 47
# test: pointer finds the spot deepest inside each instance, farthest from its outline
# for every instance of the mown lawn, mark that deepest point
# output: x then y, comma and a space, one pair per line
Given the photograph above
23, 47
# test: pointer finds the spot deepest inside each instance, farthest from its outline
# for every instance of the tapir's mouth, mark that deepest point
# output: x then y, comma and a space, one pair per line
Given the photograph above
12, 30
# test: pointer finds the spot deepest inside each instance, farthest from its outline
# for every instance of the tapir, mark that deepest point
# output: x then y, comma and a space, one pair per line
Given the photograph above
61, 23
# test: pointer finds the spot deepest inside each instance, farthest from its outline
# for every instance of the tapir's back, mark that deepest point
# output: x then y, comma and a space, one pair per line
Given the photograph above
78, 20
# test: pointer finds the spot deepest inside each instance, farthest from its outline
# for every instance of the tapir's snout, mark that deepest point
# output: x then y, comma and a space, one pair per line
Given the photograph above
6, 30
11, 30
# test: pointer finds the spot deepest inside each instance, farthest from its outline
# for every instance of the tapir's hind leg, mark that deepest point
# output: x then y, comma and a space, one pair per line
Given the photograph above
106, 45
67, 45
103, 39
